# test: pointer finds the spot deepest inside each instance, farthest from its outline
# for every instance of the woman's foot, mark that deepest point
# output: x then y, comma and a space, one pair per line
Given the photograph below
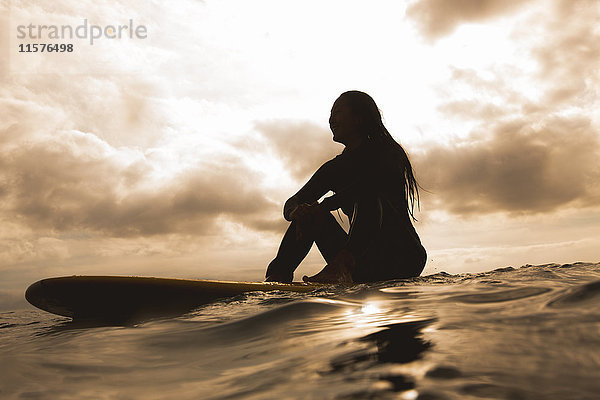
275, 273
330, 274
338, 271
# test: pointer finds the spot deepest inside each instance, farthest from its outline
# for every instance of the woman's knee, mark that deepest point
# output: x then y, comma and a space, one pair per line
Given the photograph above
315, 217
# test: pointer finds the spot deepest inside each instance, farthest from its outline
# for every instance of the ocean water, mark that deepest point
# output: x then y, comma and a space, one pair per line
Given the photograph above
526, 333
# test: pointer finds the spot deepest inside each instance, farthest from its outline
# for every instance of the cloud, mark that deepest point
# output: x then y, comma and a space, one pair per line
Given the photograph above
519, 168
303, 146
473, 109
76, 182
437, 18
560, 36
535, 147
568, 56
467, 95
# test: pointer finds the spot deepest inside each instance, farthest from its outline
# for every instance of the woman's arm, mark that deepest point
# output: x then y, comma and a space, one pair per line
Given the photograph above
319, 184
361, 186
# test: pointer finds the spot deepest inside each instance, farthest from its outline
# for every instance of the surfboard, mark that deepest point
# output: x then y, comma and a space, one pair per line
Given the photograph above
134, 298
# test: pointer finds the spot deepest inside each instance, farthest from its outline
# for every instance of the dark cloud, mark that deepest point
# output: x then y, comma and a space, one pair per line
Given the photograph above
518, 168
303, 146
72, 184
437, 18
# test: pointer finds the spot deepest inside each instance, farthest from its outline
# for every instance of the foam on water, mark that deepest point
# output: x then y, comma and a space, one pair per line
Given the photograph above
526, 333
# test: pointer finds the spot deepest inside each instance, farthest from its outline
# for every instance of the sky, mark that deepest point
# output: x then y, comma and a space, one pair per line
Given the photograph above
170, 150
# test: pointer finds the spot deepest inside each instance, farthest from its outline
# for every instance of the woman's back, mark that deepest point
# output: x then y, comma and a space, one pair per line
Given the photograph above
393, 249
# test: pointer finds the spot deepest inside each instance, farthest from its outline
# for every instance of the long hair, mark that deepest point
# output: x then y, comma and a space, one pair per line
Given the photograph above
372, 126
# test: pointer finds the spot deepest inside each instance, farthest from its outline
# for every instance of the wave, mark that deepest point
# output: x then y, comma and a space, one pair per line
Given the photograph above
582, 295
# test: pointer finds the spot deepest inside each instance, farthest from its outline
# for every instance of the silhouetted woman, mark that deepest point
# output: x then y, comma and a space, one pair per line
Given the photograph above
373, 183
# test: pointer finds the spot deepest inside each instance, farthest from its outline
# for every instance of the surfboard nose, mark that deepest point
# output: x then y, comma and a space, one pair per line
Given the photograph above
34, 294
48, 295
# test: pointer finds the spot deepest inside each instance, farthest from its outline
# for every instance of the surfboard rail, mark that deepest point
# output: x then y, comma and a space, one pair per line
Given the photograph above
123, 298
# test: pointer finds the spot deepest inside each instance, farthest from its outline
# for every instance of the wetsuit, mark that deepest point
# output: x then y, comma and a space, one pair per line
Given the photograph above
368, 187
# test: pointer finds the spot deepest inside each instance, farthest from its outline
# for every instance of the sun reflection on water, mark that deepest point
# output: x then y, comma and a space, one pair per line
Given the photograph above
370, 308
370, 314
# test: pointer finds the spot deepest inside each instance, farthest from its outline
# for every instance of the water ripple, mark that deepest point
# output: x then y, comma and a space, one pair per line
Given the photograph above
500, 295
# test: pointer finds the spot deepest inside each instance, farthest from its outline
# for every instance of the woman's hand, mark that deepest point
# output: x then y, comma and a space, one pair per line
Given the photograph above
306, 217
304, 210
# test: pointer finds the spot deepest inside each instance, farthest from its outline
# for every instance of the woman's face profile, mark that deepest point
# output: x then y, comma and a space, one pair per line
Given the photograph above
342, 122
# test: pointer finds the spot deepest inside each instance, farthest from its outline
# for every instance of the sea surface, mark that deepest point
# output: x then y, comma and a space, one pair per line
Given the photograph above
526, 333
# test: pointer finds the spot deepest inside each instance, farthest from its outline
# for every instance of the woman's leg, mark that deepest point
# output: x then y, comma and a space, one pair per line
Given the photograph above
322, 230
365, 229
